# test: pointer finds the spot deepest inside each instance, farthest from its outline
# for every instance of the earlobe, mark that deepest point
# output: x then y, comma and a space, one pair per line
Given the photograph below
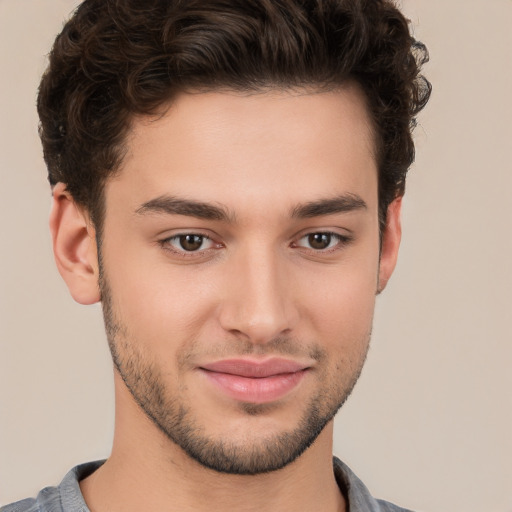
390, 243
74, 246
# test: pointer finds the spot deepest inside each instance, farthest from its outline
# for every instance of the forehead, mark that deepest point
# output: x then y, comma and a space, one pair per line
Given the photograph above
281, 146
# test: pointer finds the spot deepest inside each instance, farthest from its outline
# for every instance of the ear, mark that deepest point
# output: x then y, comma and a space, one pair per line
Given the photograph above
390, 243
74, 246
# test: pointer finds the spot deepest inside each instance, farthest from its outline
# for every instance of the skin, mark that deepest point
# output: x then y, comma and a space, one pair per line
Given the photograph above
255, 289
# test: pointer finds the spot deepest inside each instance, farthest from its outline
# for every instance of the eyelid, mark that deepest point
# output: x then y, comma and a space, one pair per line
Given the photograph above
342, 240
165, 243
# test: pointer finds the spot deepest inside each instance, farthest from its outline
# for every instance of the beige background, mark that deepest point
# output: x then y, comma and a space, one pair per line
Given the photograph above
429, 425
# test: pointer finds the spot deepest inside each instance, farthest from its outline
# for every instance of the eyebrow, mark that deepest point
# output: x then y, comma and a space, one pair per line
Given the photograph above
340, 204
207, 211
176, 206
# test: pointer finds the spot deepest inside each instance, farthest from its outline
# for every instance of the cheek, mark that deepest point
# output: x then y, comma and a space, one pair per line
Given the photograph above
158, 304
340, 323
345, 311
344, 324
341, 310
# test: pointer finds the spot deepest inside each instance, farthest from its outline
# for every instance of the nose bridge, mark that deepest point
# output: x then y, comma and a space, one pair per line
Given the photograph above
258, 305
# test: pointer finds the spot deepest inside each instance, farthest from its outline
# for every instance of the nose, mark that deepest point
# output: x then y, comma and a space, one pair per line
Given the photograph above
258, 301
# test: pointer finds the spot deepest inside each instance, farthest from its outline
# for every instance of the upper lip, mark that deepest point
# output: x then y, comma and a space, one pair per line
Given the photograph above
253, 368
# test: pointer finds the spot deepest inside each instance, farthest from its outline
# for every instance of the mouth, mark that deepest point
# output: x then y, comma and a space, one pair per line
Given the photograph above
255, 381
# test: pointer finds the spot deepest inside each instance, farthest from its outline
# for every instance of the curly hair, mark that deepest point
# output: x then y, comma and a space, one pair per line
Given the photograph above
115, 59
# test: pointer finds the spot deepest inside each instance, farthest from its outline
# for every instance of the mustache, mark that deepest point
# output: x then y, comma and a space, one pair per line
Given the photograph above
281, 346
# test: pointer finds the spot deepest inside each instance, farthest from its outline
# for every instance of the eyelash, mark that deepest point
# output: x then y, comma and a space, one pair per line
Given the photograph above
341, 241
167, 245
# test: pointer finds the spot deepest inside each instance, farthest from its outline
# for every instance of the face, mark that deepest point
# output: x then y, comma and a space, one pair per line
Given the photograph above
240, 263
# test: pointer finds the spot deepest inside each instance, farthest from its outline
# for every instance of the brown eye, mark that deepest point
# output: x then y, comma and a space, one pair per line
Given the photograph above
319, 241
188, 242
191, 242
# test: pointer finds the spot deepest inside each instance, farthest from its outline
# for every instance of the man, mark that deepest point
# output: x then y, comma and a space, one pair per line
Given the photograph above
227, 179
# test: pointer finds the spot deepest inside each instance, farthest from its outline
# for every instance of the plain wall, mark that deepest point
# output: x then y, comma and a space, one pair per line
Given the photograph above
429, 424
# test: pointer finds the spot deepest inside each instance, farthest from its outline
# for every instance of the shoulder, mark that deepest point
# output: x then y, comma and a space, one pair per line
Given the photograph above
385, 506
47, 499
28, 505
64, 498
357, 494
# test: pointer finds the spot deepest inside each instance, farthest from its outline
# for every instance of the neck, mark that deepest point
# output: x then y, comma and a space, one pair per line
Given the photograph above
147, 471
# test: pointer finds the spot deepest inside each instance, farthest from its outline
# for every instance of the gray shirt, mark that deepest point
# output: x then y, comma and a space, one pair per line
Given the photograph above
68, 498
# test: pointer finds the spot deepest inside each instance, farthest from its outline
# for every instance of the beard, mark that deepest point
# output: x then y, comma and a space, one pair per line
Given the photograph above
176, 419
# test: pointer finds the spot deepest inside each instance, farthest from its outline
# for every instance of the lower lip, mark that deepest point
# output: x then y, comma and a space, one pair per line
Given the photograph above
255, 390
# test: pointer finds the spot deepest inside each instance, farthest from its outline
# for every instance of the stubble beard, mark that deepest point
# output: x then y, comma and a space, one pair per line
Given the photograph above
175, 419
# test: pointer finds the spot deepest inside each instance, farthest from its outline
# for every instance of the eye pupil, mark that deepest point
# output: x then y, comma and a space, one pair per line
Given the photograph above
191, 242
319, 240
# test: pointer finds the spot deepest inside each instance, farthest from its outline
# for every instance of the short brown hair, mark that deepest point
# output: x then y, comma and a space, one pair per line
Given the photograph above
118, 58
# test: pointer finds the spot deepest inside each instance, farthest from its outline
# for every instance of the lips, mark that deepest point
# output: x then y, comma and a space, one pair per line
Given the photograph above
255, 381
